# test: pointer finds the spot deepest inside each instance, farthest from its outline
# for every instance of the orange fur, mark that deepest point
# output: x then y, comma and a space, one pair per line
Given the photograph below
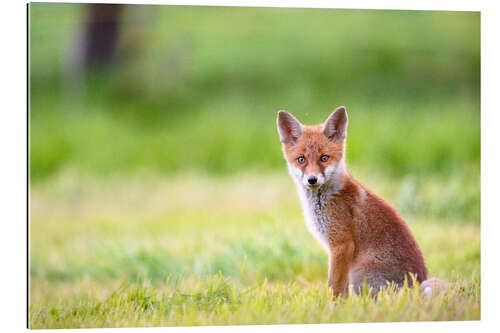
368, 242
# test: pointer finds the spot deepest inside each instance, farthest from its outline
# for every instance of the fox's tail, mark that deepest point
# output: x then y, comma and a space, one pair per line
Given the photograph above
433, 286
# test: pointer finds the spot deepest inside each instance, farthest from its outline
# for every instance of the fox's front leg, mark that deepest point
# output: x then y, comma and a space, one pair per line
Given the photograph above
339, 261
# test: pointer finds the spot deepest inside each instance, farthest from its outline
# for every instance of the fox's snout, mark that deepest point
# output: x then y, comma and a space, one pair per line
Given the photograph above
313, 180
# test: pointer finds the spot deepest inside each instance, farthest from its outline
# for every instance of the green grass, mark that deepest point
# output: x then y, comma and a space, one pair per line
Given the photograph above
427, 140
193, 250
199, 88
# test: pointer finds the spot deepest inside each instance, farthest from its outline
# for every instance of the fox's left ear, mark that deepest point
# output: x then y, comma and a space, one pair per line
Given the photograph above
335, 127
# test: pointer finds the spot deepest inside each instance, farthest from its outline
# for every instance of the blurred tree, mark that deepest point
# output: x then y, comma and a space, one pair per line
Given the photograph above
101, 34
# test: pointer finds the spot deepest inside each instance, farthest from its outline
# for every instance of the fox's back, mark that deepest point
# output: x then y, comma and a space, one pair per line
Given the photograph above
381, 236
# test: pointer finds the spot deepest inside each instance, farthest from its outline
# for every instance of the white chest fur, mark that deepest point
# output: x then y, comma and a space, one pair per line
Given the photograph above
314, 201
313, 204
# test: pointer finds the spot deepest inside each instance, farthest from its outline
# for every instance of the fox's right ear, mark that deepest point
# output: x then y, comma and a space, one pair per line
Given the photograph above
289, 128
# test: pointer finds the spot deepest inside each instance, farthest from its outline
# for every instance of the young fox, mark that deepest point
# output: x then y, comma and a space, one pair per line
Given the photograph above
366, 240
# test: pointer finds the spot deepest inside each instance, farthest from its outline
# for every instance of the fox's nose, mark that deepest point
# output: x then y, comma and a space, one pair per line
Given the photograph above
312, 180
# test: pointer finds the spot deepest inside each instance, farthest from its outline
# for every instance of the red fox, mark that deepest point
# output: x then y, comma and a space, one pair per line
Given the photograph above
366, 240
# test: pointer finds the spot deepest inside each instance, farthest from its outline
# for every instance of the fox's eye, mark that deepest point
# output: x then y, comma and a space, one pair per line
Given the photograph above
301, 160
324, 158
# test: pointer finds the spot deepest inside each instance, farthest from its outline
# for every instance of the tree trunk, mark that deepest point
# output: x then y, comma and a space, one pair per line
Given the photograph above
101, 35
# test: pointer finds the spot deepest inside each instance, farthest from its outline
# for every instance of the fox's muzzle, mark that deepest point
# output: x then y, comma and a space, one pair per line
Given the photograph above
313, 181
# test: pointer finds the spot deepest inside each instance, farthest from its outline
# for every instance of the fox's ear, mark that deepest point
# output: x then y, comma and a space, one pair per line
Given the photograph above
335, 127
289, 128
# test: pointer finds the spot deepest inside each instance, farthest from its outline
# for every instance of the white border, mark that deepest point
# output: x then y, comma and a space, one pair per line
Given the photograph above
352, 4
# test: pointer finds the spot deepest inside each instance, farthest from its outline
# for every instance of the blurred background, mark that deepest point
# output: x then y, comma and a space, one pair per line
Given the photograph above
119, 89
154, 154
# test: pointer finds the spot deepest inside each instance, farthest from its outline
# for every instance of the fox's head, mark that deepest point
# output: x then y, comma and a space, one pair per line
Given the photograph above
314, 154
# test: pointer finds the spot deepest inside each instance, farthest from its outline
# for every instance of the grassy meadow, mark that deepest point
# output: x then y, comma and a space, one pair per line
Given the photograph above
201, 251
158, 192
